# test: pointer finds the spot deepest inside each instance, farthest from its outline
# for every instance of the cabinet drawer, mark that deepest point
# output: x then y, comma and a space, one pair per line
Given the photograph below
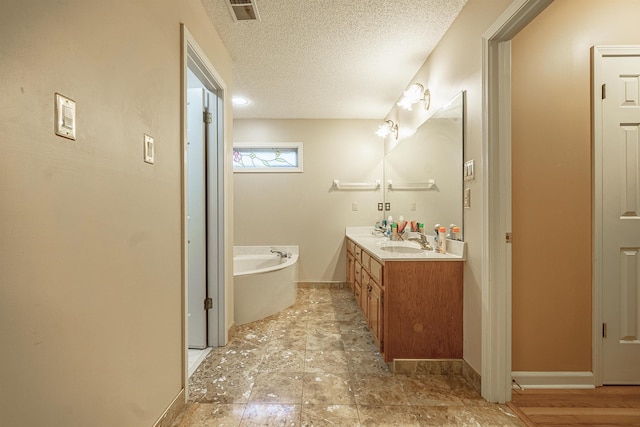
351, 247
376, 270
358, 252
366, 258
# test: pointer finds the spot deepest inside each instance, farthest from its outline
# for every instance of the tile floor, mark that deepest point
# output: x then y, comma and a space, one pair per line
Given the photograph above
195, 358
315, 364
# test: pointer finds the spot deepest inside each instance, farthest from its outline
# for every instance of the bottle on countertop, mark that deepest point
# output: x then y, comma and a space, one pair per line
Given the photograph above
452, 234
442, 240
421, 227
456, 233
394, 231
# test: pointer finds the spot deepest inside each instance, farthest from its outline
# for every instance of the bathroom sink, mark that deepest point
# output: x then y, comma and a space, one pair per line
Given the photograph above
401, 249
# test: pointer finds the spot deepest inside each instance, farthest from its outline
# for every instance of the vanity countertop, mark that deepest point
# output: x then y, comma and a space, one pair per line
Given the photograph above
385, 250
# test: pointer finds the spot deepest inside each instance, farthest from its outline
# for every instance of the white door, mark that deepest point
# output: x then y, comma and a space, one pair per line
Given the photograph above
620, 210
196, 218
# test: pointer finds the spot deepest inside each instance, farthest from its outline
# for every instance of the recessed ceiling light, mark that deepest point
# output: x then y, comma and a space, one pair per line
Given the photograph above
239, 100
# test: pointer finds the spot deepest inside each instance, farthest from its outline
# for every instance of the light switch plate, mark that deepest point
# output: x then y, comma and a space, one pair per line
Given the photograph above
65, 117
149, 149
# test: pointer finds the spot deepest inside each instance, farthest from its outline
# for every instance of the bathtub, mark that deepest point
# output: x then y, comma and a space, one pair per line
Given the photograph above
263, 282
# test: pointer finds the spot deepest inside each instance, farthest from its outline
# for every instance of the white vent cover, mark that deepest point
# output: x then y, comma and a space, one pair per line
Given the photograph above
244, 10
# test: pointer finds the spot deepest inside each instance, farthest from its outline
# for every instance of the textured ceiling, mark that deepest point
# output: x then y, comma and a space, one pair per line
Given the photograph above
329, 58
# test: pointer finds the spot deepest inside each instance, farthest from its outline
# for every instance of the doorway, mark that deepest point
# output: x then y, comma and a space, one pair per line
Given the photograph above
202, 202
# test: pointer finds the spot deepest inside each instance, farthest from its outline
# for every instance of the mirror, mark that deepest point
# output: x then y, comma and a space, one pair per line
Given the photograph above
423, 173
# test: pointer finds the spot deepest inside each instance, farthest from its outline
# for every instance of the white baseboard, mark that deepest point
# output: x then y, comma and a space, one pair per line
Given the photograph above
566, 380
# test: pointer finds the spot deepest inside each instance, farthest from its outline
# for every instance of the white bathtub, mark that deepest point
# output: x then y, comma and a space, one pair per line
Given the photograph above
264, 283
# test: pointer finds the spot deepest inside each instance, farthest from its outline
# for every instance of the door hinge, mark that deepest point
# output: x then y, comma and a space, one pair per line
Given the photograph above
509, 237
604, 330
207, 117
604, 91
208, 303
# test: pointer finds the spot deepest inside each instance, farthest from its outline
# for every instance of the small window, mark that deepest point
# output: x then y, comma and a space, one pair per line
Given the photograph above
267, 157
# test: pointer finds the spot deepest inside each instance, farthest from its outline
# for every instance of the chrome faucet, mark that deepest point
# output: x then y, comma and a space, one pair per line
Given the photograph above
422, 240
281, 254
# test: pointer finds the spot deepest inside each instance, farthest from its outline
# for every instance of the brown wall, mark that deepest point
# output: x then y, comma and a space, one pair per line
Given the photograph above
552, 178
90, 235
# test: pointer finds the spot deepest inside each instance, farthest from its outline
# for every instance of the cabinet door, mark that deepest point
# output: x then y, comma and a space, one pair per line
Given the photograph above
376, 313
364, 296
351, 271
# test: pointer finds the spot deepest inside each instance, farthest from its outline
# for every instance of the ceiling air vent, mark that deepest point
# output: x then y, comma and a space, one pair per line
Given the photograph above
244, 10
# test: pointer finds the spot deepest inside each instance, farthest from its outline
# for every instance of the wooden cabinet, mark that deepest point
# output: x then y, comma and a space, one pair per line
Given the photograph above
367, 288
350, 270
423, 309
375, 313
413, 308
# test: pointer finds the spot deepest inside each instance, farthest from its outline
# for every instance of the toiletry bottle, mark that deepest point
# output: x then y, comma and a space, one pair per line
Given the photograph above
442, 240
456, 233
394, 231
421, 227
451, 235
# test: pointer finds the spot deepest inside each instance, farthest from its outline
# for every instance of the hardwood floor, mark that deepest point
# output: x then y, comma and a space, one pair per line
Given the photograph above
603, 406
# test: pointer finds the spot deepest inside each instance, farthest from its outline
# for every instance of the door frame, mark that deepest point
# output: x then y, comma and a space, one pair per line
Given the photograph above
597, 55
496, 196
216, 285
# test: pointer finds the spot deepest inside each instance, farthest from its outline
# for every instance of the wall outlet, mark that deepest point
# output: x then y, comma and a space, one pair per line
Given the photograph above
412, 206
387, 206
354, 206
380, 208
467, 198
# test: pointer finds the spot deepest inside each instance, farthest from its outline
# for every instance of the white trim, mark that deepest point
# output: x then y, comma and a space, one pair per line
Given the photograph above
191, 51
559, 380
496, 195
597, 54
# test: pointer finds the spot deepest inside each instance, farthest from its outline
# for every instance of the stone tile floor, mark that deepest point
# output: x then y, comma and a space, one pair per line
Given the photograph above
315, 364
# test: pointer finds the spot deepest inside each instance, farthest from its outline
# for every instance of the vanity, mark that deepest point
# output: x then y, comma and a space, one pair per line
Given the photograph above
410, 298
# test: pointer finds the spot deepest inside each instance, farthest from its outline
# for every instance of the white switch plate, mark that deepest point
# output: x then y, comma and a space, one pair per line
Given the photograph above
149, 149
65, 119
469, 173
354, 206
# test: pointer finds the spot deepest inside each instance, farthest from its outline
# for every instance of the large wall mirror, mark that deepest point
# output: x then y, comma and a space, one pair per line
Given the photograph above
423, 173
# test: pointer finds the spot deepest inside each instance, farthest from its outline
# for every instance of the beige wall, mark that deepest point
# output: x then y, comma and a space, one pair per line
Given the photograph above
455, 65
90, 236
301, 208
552, 178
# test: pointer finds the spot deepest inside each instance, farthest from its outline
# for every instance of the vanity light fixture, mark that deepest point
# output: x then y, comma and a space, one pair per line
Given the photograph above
388, 127
413, 95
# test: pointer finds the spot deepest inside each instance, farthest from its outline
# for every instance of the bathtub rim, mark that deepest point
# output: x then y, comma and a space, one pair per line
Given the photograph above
256, 252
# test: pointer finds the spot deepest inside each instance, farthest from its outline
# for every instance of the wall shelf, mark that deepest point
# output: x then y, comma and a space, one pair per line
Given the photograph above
429, 185
337, 185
